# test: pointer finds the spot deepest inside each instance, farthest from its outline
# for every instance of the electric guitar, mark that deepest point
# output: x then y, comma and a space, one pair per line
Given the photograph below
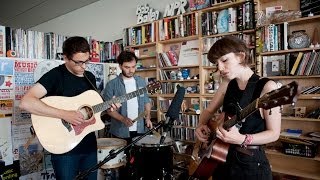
58, 136
205, 160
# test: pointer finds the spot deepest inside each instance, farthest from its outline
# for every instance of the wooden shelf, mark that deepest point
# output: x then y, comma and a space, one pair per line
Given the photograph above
181, 39
303, 137
186, 95
223, 5
179, 67
310, 96
278, 153
141, 45
291, 118
230, 33
299, 20
181, 81
294, 165
209, 67
287, 51
146, 69
295, 173
294, 77
304, 20
207, 95
147, 57
139, 25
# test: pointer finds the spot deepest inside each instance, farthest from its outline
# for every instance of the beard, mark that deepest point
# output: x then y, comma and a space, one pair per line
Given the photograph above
127, 75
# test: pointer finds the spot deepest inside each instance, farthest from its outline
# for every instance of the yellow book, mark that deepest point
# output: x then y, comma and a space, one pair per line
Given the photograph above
296, 63
143, 34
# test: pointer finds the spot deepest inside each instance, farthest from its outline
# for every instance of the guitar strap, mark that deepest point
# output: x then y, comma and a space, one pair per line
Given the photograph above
252, 90
249, 90
247, 96
84, 74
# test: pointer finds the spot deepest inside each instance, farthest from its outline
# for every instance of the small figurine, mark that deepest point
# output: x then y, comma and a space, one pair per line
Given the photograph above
112, 73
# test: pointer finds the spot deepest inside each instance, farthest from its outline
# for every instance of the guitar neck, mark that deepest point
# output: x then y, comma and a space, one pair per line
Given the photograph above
247, 111
105, 105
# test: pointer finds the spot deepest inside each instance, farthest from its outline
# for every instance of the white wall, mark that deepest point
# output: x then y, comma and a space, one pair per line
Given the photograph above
103, 20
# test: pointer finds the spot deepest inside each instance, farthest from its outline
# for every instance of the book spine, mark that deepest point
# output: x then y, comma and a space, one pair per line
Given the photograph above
2, 41
232, 13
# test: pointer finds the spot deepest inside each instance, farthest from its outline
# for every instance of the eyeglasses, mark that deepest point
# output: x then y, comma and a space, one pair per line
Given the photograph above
80, 63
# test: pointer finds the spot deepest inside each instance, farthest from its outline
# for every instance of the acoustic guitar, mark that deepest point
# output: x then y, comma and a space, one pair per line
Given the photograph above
58, 136
206, 157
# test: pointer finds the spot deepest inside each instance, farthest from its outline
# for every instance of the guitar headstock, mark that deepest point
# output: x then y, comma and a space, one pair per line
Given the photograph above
153, 87
286, 94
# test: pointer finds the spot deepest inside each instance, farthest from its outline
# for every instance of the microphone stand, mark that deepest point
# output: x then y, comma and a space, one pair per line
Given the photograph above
167, 126
113, 153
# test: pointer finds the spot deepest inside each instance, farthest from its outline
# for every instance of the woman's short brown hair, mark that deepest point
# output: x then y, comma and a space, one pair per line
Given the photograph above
226, 45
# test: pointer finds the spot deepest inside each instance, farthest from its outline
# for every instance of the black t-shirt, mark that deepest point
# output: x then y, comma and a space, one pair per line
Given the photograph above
60, 82
253, 123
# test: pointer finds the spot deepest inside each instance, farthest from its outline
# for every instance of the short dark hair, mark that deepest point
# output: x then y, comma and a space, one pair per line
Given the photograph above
75, 45
126, 56
226, 45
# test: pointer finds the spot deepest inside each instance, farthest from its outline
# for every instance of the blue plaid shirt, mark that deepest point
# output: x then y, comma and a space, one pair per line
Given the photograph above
116, 88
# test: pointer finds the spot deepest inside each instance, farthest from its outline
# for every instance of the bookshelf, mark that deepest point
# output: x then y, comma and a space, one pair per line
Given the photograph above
171, 34
169, 37
303, 167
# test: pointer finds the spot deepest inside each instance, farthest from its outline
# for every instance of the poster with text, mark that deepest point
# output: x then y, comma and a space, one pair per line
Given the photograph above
23, 82
6, 156
6, 108
6, 87
29, 149
10, 172
6, 67
42, 175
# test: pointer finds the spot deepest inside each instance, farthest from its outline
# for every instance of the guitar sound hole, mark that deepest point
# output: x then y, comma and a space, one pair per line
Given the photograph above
87, 112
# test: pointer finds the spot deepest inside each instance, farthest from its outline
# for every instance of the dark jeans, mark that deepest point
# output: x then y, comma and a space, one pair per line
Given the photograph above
67, 166
244, 167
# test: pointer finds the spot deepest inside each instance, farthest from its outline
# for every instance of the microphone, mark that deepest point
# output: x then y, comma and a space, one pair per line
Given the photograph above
173, 112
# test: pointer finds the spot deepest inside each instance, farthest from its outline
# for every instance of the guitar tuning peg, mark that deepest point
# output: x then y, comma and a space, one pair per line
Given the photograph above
270, 112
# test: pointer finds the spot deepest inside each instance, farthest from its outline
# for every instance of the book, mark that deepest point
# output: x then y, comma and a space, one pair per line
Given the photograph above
189, 53
173, 57
232, 24
271, 10
274, 65
222, 21
196, 4
296, 64
2, 41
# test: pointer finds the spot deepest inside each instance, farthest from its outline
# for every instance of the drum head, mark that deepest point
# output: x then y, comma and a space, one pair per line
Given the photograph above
153, 141
110, 143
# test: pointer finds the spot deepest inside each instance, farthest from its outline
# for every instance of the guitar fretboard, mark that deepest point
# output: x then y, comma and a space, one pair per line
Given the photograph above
105, 105
249, 109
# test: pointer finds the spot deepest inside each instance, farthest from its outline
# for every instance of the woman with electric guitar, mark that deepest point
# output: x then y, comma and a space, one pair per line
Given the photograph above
245, 157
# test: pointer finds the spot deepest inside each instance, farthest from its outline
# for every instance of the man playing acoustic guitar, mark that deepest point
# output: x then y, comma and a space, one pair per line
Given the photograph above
69, 79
